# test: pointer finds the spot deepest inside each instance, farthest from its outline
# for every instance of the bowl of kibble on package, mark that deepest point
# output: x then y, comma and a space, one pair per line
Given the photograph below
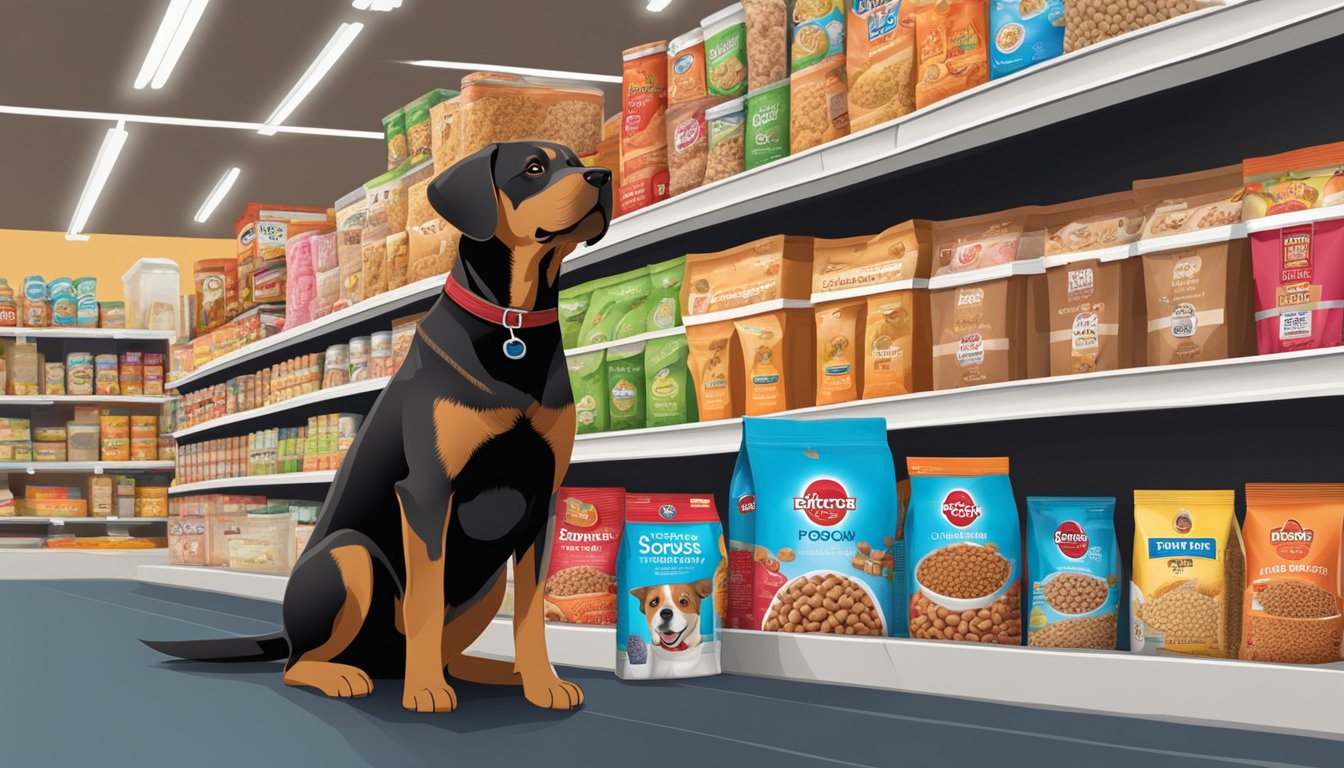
964, 577
822, 601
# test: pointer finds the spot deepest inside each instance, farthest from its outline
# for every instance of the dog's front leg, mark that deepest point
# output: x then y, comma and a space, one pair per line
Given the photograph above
541, 685
423, 608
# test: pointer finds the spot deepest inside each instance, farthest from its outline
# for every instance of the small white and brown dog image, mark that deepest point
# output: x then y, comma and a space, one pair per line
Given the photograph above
673, 614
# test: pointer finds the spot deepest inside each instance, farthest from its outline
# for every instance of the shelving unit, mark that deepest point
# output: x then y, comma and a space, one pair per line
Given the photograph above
331, 394
119, 334
91, 467
255, 481
114, 400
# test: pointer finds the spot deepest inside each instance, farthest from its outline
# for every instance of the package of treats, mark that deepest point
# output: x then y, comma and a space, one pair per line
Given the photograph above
880, 61
964, 551
86, 302
572, 306
1294, 553
1104, 222
669, 395
811, 536
1024, 32
901, 252
1073, 572
394, 136
419, 124
716, 369
778, 350
351, 212
625, 392
445, 140
588, 381
1187, 573
580, 586
838, 367
64, 308
766, 124
664, 301
986, 240
1198, 301
644, 137
672, 574
619, 302
54, 379
34, 307
989, 332
951, 51
398, 256
688, 143
1191, 202
767, 41
1299, 286
496, 107
79, 373
897, 345
1293, 181
727, 140
686, 68
818, 32
1096, 314
776, 267
1092, 21
432, 249
726, 51
818, 108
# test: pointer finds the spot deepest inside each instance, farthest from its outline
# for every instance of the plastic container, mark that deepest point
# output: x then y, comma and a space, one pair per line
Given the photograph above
151, 287
495, 107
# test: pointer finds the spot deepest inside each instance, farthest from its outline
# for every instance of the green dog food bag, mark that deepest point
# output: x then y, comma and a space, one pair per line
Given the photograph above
767, 138
665, 294
612, 301
635, 292
573, 306
588, 380
670, 394
625, 386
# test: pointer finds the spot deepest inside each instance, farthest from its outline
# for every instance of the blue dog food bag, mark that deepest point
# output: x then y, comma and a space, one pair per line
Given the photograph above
1024, 32
812, 538
1073, 567
671, 588
964, 551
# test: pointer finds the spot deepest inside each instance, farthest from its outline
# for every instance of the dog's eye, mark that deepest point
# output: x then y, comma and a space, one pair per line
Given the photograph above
684, 602
653, 603
535, 168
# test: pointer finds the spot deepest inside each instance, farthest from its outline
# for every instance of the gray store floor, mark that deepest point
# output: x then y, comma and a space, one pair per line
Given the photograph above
76, 688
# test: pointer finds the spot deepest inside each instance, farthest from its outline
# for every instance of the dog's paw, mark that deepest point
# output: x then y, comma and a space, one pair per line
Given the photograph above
437, 698
554, 694
340, 681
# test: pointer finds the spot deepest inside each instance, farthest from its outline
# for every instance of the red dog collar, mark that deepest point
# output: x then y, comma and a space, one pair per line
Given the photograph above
491, 313
679, 647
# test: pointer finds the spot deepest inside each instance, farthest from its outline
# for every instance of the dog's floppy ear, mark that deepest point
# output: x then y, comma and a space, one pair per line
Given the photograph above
640, 593
704, 587
465, 195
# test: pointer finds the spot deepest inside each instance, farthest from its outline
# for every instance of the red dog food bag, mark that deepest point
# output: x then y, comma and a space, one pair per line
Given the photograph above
581, 579
1299, 286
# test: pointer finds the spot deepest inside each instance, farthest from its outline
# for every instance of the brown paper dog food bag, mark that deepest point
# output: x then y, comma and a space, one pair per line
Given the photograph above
902, 252
777, 349
1096, 316
776, 267
981, 331
839, 367
1190, 202
897, 352
1199, 303
716, 369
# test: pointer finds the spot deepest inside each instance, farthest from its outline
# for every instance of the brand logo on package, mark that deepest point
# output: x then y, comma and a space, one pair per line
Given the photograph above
825, 502
970, 297
960, 509
580, 514
1291, 541
1159, 549
746, 505
667, 512
1081, 280
1183, 523
1186, 268
1071, 539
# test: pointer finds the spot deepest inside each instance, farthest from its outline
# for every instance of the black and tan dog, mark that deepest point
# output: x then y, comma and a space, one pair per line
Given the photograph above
454, 468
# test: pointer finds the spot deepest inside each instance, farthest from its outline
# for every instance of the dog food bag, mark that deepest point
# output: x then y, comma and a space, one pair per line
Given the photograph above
898, 348
351, 212
664, 301
901, 252
818, 109
989, 332
572, 306
1187, 574
64, 309
669, 395
1199, 303
580, 583
398, 254
1092, 21
880, 61
716, 370
839, 370
1025, 32
419, 125
688, 143
1293, 181
86, 302
1299, 286
818, 32
625, 387
1094, 223
767, 124
632, 304
1190, 202
1073, 572
433, 249
686, 68
495, 107
1096, 315
776, 267
644, 138
394, 135
673, 586
767, 41
964, 548
1294, 553
727, 140
726, 51
986, 240
951, 48
606, 304
445, 138
777, 349
815, 509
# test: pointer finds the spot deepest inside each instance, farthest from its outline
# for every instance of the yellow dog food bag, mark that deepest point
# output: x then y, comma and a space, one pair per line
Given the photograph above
1188, 572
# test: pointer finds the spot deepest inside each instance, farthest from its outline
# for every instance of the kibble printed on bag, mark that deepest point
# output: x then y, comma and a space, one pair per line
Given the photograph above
581, 578
1073, 572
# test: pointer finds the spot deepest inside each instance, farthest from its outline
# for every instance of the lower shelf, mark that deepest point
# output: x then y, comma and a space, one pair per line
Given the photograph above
45, 564
259, 586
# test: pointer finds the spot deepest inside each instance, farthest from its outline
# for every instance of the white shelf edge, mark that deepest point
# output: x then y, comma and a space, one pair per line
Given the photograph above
25, 520
67, 563
127, 334
1294, 218
96, 467
868, 290
319, 477
383, 303
1114, 253
998, 272
76, 399
320, 396
680, 330
745, 311
1208, 236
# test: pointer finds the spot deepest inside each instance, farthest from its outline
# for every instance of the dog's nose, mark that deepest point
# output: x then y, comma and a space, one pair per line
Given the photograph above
598, 177
665, 614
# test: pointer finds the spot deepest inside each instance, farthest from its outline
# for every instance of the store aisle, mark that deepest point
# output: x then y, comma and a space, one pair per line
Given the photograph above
76, 688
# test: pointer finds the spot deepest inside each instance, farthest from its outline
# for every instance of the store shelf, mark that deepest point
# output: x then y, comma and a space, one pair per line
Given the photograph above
59, 521
76, 563
255, 481
650, 336
1285, 376
41, 400
95, 467
1177, 52
1294, 218
321, 396
746, 311
129, 334
259, 586
384, 304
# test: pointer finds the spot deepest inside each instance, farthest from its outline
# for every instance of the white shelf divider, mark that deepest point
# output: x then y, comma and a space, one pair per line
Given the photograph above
128, 334
320, 396
41, 400
322, 477
93, 467
650, 336
59, 521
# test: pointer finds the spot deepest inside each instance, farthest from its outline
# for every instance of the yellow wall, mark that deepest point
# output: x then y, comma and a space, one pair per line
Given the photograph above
106, 257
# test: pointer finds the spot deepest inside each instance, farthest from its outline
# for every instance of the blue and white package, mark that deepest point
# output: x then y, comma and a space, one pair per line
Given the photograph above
1023, 33
1073, 567
671, 588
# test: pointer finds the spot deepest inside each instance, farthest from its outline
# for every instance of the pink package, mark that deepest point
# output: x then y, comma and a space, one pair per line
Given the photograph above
302, 279
324, 253
1299, 286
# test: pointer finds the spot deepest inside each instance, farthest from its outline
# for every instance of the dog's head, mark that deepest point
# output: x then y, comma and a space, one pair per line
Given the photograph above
673, 612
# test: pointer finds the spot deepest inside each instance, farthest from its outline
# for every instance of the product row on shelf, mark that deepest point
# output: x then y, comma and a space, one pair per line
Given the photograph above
93, 434
151, 292
241, 532
112, 500
318, 446
25, 371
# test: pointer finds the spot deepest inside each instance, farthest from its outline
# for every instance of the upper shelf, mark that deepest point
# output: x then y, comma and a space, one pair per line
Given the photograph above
94, 467
129, 334
77, 399
1183, 50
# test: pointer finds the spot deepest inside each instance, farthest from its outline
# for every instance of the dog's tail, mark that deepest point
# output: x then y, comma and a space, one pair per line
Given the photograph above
225, 649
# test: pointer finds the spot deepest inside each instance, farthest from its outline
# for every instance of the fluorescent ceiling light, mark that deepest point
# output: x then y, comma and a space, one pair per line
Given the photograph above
80, 114
345, 35
376, 5
102, 168
658, 5
169, 42
555, 73
217, 194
